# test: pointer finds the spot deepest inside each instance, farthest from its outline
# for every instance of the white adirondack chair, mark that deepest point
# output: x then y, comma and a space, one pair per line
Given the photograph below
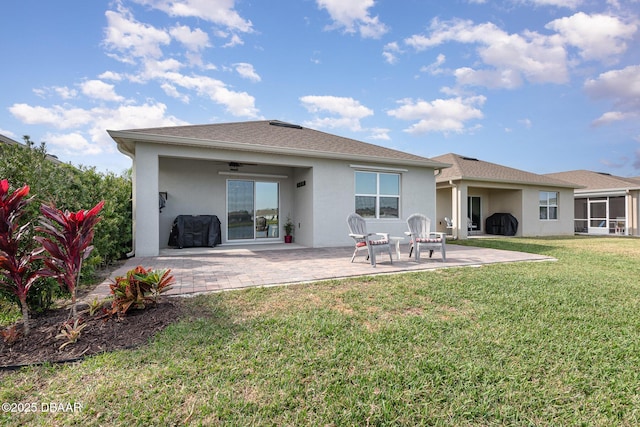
423, 238
364, 240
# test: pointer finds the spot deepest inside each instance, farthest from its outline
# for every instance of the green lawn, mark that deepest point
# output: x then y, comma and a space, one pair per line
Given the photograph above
544, 344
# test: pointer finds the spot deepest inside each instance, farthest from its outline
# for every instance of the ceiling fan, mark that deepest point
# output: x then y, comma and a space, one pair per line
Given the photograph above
235, 166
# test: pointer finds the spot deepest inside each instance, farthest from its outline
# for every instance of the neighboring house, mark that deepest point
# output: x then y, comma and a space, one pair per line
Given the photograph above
9, 141
472, 190
606, 204
255, 175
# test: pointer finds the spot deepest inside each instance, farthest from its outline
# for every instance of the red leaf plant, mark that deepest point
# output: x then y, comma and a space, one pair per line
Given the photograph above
17, 273
68, 243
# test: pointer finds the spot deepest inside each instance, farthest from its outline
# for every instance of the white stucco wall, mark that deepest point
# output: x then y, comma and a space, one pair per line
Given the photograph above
534, 226
319, 208
334, 200
146, 238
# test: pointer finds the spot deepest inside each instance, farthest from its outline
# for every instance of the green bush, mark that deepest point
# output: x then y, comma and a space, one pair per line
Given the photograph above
74, 188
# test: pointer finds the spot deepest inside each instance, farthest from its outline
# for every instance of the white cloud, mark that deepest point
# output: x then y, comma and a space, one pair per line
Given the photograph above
434, 67
65, 92
97, 89
440, 115
236, 103
173, 92
353, 16
247, 71
219, 12
235, 40
349, 111
597, 37
380, 134
512, 57
623, 88
111, 75
194, 40
57, 116
390, 52
8, 133
571, 4
526, 123
92, 123
141, 44
132, 39
614, 116
506, 78
71, 144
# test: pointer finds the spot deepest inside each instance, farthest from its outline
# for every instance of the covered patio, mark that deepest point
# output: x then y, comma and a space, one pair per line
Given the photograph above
205, 270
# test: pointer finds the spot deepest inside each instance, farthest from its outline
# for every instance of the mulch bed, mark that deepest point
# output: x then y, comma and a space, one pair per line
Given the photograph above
102, 334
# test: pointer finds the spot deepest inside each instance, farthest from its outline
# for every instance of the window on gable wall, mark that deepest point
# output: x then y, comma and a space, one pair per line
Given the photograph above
548, 205
377, 194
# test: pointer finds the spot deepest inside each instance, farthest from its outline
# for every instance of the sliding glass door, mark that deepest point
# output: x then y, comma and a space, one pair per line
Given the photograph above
252, 210
474, 210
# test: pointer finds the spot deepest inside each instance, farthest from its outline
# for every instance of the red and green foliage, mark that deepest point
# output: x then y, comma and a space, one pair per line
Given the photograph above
138, 288
68, 243
17, 273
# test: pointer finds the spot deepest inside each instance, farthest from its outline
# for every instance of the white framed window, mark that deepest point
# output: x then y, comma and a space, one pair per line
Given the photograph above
377, 194
548, 205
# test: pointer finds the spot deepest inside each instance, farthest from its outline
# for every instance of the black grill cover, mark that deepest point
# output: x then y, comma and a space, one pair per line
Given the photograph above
195, 230
501, 223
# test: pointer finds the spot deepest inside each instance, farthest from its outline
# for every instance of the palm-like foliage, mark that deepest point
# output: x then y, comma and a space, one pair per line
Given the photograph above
68, 237
16, 264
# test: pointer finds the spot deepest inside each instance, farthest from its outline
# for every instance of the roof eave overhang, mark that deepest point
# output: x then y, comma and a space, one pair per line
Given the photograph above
512, 182
126, 141
606, 191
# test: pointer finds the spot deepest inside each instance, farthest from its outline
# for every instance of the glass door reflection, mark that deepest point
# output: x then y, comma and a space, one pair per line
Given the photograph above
253, 211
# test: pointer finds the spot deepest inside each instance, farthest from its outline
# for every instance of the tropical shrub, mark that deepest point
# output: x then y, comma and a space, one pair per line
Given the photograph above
72, 188
71, 330
17, 273
68, 244
139, 287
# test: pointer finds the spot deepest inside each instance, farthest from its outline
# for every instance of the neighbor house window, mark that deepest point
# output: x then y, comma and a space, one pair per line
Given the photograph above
378, 194
548, 205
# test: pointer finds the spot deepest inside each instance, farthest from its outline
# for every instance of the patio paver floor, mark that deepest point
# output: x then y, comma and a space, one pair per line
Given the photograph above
204, 270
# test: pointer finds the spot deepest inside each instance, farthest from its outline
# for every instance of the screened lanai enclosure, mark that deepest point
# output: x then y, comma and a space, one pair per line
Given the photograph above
601, 215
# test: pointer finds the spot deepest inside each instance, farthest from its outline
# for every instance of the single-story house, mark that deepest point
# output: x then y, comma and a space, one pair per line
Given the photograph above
8, 141
473, 190
606, 204
254, 176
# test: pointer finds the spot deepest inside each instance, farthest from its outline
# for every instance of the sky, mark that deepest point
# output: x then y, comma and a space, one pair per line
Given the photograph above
539, 85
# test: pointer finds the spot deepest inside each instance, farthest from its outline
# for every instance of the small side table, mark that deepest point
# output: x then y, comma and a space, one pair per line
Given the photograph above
396, 240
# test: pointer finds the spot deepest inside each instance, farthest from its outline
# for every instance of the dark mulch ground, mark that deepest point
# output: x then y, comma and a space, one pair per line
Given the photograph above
100, 335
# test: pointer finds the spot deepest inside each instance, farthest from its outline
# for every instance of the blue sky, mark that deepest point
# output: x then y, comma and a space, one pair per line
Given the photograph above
539, 85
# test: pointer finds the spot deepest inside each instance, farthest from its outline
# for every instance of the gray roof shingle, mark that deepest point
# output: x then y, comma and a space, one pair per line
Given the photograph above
591, 180
468, 168
272, 135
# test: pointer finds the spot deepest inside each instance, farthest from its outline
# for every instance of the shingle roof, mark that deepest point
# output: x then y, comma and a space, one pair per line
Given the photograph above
7, 140
597, 180
265, 135
468, 168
